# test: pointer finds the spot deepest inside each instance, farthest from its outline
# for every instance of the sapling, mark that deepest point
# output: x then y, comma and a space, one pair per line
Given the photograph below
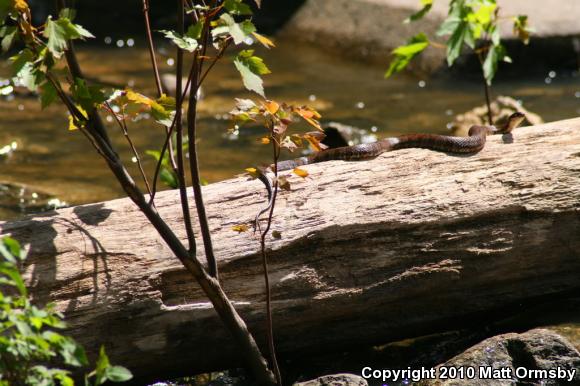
472, 24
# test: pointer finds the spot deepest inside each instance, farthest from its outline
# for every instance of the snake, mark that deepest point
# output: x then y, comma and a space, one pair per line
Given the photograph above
473, 143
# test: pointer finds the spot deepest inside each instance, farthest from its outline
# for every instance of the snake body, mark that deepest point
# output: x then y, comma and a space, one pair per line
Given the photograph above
473, 143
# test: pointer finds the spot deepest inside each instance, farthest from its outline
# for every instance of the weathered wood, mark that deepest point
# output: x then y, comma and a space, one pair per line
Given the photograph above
412, 242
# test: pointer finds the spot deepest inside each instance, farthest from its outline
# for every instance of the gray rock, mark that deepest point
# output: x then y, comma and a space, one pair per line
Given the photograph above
335, 380
502, 107
517, 359
372, 28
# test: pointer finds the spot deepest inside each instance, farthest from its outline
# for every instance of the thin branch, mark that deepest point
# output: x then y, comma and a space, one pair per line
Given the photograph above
151, 47
170, 132
269, 322
125, 131
179, 133
486, 90
193, 157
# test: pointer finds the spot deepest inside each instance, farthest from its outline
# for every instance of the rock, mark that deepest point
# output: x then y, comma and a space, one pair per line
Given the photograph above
335, 380
372, 28
520, 358
502, 107
339, 134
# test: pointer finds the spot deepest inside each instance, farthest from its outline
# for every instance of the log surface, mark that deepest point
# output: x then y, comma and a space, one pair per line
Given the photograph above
412, 242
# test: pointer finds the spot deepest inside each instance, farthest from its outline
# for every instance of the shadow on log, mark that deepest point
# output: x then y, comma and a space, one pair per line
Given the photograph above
410, 243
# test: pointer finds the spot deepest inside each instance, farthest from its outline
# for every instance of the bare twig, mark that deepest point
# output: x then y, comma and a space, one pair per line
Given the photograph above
123, 126
486, 90
193, 155
179, 134
269, 322
151, 47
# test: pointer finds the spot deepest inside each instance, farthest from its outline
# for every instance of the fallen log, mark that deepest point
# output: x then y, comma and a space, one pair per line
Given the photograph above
412, 242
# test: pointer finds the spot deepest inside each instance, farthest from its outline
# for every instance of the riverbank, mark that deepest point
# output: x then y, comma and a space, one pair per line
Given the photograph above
370, 29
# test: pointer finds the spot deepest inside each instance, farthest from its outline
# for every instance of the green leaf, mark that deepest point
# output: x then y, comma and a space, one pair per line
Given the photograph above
59, 31
21, 59
237, 7
102, 365
118, 374
9, 35
9, 270
88, 97
13, 247
238, 31
426, 7
251, 67
73, 353
455, 42
522, 28
168, 177
184, 42
29, 76
67, 13
457, 12
48, 94
490, 65
404, 54
194, 30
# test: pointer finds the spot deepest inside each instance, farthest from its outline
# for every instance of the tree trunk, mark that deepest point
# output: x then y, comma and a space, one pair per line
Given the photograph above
412, 242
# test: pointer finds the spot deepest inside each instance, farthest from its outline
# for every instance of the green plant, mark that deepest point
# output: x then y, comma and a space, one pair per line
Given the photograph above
470, 23
204, 31
30, 345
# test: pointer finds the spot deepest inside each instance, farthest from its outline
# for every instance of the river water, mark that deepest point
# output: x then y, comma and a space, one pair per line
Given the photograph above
50, 160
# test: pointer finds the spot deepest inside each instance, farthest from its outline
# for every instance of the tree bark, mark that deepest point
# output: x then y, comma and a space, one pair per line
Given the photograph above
410, 243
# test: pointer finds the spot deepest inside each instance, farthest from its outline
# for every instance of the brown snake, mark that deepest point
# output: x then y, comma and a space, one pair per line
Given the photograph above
473, 143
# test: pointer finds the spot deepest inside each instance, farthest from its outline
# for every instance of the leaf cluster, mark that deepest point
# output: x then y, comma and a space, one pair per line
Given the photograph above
30, 344
277, 118
470, 23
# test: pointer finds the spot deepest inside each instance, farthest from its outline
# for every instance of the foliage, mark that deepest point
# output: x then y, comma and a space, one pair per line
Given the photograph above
277, 118
469, 23
204, 32
30, 345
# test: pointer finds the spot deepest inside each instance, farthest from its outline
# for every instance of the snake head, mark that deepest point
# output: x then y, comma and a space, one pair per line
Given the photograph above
513, 121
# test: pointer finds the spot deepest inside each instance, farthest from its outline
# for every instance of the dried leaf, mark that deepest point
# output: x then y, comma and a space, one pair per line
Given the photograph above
283, 183
288, 144
264, 40
300, 172
276, 235
253, 172
240, 228
314, 141
309, 115
272, 107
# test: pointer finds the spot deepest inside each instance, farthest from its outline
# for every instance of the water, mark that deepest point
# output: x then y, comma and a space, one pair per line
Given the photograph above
55, 162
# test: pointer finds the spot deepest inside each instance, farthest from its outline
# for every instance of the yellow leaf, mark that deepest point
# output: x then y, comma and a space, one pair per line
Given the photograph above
20, 6
272, 107
253, 172
300, 172
264, 40
265, 140
240, 228
139, 98
314, 142
71, 124
309, 115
